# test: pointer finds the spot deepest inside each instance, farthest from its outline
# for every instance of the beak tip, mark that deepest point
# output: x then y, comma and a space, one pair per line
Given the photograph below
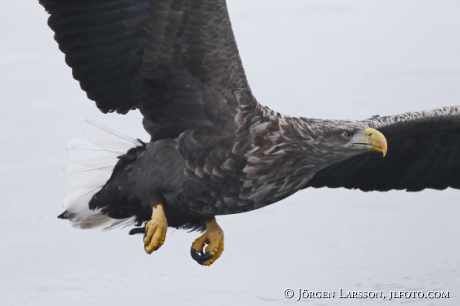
377, 140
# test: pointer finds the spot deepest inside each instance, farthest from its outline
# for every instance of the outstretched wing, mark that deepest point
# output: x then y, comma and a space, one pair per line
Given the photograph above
423, 152
175, 60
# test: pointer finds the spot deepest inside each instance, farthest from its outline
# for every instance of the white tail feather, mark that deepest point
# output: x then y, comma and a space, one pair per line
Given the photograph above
94, 157
85, 177
104, 137
103, 161
81, 148
77, 199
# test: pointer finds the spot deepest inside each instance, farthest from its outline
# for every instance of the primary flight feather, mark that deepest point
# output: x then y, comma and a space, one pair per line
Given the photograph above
214, 149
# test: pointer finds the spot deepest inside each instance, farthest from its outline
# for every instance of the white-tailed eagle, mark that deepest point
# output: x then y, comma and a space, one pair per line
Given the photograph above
214, 150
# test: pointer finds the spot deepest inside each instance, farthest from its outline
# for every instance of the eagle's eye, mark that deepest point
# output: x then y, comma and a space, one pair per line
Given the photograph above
347, 135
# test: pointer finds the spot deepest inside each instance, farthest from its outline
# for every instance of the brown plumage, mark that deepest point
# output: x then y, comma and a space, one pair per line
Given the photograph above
214, 149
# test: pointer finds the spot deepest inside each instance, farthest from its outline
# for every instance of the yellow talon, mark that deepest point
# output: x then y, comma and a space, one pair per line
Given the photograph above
214, 238
155, 230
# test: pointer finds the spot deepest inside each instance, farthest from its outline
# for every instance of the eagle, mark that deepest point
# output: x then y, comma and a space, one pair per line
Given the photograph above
214, 149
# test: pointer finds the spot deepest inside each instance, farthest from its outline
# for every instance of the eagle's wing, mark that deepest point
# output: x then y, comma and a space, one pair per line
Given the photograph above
423, 152
175, 60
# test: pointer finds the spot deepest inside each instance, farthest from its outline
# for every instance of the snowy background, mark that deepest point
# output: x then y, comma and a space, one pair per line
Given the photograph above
324, 59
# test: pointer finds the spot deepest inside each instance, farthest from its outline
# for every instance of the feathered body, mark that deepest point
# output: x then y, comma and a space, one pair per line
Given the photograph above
200, 174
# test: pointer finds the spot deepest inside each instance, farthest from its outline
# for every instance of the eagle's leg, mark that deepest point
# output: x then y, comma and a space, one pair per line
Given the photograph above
155, 230
214, 238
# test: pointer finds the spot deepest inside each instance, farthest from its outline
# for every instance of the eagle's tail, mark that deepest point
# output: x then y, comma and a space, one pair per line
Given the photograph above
94, 158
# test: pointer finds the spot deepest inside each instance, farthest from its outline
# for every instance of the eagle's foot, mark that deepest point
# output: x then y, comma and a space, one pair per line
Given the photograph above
214, 238
155, 230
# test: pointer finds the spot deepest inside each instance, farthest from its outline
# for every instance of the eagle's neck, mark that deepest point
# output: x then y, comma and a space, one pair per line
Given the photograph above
283, 156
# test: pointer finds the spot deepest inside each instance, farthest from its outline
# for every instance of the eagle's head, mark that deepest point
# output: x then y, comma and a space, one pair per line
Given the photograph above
334, 140
366, 139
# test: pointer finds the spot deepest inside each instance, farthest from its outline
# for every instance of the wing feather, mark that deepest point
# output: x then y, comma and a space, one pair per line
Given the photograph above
423, 152
176, 60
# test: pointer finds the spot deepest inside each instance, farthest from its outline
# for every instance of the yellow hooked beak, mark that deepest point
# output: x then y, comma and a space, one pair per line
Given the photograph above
374, 140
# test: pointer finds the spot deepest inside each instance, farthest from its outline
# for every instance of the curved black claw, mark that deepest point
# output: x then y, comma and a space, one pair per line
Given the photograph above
137, 230
199, 257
